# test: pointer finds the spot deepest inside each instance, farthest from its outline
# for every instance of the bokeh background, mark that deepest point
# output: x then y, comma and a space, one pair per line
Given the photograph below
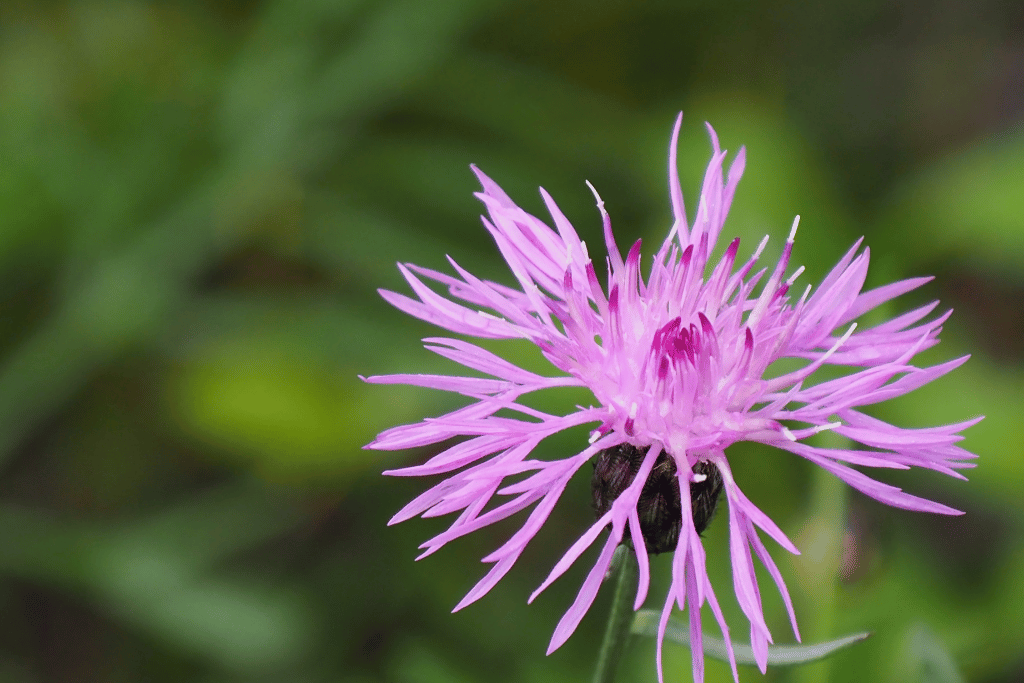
199, 200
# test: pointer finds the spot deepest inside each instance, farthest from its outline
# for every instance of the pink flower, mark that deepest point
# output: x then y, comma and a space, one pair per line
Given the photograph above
677, 366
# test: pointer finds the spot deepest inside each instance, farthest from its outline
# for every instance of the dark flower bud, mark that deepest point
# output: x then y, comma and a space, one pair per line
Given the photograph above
659, 506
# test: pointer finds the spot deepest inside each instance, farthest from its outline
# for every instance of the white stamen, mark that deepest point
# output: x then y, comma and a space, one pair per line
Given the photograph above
788, 434
633, 410
826, 427
594, 436
698, 478
807, 293
597, 197
835, 347
792, 278
760, 248
792, 231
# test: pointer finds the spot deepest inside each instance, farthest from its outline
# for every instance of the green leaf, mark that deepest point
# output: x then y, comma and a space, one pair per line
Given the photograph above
646, 624
162, 574
933, 662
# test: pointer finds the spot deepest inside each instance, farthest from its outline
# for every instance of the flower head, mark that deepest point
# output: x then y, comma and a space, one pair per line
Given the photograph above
676, 362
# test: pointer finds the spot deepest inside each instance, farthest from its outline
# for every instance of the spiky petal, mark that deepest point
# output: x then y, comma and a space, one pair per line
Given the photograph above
676, 363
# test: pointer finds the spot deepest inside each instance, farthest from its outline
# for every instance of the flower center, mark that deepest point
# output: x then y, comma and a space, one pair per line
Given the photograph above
681, 351
659, 506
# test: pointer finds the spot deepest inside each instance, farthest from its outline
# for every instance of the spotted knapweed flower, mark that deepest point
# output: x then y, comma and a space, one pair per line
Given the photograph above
677, 363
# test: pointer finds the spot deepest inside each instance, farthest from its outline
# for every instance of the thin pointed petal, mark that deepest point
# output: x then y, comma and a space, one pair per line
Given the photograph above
681, 358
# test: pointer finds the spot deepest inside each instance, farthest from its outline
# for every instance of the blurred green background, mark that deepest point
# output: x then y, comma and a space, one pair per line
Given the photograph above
199, 200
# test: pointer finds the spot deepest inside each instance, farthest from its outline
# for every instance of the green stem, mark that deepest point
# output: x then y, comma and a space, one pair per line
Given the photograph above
620, 618
819, 564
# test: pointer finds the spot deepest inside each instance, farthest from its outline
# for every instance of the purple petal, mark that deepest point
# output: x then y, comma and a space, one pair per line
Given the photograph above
571, 619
